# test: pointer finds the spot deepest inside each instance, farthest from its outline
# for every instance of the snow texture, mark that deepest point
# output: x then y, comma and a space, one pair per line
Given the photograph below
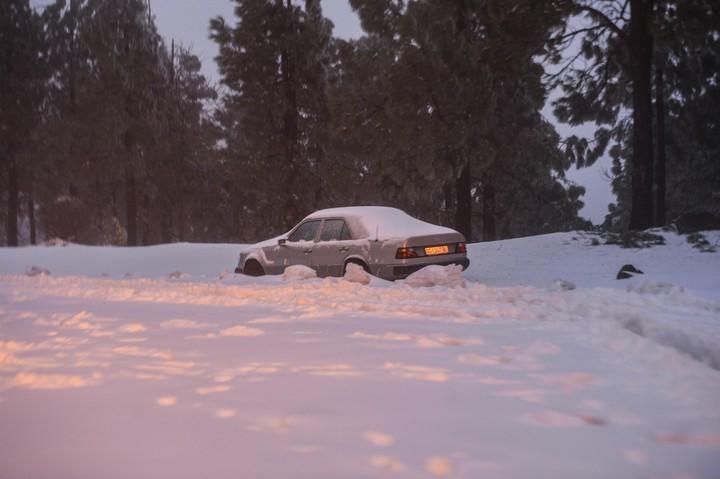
356, 274
157, 363
298, 272
434, 275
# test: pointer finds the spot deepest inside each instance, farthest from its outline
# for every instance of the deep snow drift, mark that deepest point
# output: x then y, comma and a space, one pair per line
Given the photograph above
158, 363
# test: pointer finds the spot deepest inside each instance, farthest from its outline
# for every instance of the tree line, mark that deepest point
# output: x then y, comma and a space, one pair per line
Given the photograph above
110, 134
105, 132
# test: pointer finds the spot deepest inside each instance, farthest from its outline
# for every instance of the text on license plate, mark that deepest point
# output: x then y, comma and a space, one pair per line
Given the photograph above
433, 250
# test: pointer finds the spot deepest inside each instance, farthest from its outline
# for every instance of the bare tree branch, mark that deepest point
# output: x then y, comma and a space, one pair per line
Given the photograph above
559, 73
574, 33
622, 12
602, 17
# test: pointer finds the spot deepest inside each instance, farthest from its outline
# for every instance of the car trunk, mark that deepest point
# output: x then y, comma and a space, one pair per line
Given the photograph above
448, 239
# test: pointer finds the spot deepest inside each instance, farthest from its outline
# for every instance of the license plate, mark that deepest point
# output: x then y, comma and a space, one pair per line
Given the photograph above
433, 250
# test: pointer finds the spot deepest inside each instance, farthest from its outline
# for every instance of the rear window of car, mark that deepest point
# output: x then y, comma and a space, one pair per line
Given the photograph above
334, 230
305, 232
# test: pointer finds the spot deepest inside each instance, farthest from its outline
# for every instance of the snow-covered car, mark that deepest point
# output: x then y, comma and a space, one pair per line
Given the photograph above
386, 242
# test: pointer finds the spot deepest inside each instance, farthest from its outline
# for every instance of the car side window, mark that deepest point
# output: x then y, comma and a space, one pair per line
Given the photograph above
334, 230
346, 234
305, 232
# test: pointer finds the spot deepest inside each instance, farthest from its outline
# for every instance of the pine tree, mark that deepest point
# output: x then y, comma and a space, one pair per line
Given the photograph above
22, 84
664, 39
461, 79
183, 180
126, 53
273, 63
116, 107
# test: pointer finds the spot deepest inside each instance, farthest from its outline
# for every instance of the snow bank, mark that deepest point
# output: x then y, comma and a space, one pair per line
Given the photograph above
37, 271
540, 260
434, 275
298, 272
355, 273
534, 261
197, 260
562, 285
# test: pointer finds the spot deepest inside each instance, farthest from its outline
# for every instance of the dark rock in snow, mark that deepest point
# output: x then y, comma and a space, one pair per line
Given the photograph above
628, 271
634, 239
562, 285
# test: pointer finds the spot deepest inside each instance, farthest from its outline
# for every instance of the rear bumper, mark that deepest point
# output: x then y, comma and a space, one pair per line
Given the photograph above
405, 271
401, 272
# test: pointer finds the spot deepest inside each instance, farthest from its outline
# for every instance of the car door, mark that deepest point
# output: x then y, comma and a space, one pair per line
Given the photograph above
333, 246
300, 246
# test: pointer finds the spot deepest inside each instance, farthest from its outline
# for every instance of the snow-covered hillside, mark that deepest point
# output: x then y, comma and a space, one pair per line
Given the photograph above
538, 260
158, 363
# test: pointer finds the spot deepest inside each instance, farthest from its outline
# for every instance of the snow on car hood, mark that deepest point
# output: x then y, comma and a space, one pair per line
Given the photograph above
383, 222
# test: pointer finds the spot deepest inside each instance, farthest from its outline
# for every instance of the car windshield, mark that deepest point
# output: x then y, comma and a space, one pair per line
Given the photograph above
305, 232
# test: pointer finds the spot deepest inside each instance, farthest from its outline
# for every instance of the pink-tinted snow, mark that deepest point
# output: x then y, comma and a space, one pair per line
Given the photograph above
158, 363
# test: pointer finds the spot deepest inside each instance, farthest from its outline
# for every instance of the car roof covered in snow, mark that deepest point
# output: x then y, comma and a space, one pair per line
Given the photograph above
383, 222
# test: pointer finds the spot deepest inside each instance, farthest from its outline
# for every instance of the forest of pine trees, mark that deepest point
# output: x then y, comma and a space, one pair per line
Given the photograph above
110, 133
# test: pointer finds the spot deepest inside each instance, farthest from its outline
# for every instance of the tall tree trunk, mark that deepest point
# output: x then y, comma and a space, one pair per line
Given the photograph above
448, 200
114, 201
290, 120
660, 185
448, 205
31, 213
11, 227
182, 221
72, 91
463, 212
166, 223
488, 212
128, 139
12, 203
99, 217
131, 205
641, 47
235, 215
146, 220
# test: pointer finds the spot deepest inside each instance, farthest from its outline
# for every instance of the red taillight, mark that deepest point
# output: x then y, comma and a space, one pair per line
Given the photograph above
461, 248
406, 253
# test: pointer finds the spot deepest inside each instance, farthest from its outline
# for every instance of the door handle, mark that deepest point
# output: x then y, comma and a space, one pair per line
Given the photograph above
308, 251
344, 249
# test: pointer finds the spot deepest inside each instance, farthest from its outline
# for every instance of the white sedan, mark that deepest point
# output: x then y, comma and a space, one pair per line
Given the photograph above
386, 242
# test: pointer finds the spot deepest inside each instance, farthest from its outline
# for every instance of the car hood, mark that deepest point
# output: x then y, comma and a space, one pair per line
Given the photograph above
263, 244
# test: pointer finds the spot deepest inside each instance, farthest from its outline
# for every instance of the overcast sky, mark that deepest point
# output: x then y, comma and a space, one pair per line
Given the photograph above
187, 22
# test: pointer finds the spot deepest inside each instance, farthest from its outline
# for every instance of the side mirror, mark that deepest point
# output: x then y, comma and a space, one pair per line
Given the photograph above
282, 242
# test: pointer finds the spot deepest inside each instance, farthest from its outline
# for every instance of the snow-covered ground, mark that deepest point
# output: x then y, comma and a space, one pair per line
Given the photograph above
158, 363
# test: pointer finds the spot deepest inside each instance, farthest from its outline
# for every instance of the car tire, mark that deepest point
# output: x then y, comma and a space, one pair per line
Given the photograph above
253, 268
357, 262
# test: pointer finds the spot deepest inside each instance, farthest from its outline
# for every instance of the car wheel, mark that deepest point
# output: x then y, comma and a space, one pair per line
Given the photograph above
357, 262
253, 268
